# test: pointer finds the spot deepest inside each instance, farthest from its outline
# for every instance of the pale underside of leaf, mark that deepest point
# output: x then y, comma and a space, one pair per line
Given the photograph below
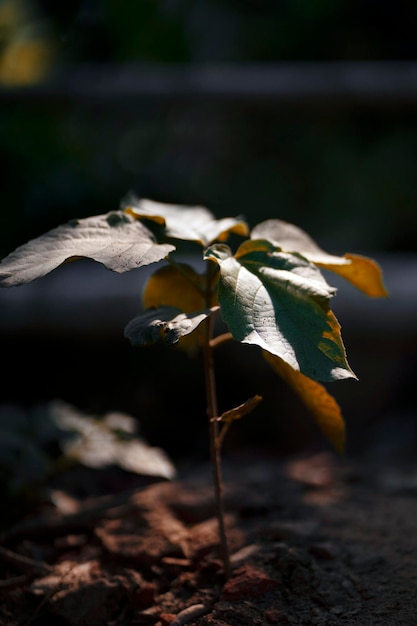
280, 302
191, 223
291, 238
362, 272
166, 324
315, 397
115, 239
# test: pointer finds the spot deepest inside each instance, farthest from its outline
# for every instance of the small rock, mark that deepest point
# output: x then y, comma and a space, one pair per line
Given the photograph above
337, 610
248, 581
324, 550
274, 616
244, 553
165, 619
144, 596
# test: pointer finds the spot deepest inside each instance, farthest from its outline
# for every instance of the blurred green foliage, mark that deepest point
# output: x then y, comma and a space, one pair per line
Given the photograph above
349, 172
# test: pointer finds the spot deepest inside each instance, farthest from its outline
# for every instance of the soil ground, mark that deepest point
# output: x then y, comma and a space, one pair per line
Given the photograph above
314, 540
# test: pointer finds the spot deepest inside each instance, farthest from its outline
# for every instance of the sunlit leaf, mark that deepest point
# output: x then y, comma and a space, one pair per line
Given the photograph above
364, 273
240, 411
115, 239
192, 223
280, 302
291, 238
315, 397
167, 324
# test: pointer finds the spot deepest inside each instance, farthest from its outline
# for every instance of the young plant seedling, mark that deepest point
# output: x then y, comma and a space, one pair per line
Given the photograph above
269, 292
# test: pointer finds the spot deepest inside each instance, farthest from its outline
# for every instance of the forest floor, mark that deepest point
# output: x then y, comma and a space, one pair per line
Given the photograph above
314, 540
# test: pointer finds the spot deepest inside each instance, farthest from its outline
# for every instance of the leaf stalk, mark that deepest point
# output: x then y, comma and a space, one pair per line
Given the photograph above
217, 341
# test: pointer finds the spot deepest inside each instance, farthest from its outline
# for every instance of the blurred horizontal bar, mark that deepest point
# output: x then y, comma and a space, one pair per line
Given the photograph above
84, 297
355, 83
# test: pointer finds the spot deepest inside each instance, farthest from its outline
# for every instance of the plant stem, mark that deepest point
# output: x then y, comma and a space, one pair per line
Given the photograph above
215, 445
217, 341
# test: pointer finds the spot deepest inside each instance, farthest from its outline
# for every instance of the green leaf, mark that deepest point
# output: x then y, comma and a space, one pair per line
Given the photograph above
362, 272
115, 239
280, 302
166, 324
195, 223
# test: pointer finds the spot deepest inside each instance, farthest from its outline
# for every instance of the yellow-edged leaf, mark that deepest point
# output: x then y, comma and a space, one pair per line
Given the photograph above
280, 302
191, 223
315, 397
118, 241
364, 273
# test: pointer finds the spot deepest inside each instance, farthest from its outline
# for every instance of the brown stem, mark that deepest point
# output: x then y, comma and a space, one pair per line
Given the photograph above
217, 341
222, 434
212, 412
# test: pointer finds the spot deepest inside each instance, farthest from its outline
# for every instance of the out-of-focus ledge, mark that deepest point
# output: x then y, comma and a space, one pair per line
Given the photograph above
84, 297
375, 83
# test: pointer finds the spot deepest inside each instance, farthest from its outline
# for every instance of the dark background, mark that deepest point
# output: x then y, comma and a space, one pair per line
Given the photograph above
305, 111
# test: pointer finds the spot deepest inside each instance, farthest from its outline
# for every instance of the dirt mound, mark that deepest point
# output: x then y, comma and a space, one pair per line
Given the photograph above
313, 540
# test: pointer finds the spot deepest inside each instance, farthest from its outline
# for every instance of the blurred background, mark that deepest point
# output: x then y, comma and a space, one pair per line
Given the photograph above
296, 109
